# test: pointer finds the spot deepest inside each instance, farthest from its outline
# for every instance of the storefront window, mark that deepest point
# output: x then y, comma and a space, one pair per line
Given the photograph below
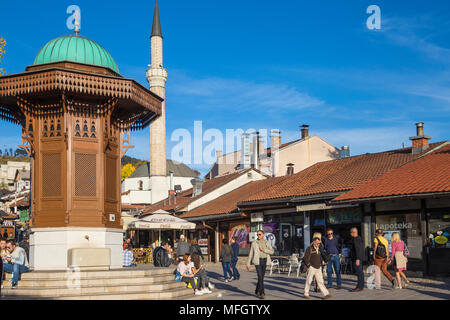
241, 231
439, 228
284, 232
409, 228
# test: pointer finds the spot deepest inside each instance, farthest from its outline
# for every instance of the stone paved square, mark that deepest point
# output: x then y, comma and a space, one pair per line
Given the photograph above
282, 287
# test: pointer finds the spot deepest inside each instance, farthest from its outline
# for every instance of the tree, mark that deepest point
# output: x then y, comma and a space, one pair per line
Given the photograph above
20, 153
2, 53
127, 171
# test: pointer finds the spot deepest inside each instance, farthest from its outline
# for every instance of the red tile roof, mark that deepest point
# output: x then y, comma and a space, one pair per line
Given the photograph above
185, 197
427, 174
127, 206
337, 175
228, 202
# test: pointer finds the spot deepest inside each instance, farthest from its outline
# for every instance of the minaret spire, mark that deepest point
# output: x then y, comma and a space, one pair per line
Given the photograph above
156, 27
157, 77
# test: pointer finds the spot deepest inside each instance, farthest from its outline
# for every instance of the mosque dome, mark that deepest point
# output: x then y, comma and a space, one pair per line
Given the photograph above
77, 49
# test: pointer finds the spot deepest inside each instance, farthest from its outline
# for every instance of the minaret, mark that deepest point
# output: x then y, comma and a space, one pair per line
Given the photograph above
156, 77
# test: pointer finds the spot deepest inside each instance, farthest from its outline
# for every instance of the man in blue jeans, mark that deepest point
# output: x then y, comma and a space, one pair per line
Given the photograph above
16, 262
333, 249
234, 258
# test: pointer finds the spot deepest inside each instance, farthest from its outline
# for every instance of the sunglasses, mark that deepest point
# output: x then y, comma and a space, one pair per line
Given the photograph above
259, 234
330, 233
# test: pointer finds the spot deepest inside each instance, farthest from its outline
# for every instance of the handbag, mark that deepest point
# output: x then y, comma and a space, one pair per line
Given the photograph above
177, 277
400, 260
405, 250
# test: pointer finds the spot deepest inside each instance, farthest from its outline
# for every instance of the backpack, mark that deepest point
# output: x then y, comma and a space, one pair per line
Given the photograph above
161, 257
381, 250
303, 266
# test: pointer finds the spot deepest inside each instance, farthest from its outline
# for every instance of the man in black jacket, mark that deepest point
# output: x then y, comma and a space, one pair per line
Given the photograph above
357, 258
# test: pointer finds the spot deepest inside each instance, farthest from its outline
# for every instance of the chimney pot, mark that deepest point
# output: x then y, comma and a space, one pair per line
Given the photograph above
275, 139
419, 127
420, 141
305, 131
345, 152
290, 169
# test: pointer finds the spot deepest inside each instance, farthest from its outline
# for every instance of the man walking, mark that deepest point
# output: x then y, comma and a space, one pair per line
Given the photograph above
313, 260
259, 255
357, 258
234, 258
17, 262
333, 249
381, 258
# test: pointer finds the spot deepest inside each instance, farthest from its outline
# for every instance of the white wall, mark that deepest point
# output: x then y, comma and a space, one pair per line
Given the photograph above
151, 194
228, 187
303, 154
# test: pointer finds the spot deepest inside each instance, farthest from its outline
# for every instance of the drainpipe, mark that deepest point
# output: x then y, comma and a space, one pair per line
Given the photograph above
217, 244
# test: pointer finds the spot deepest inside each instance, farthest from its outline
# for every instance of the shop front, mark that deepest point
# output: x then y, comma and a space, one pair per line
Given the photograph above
285, 232
437, 242
426, 232
410, 228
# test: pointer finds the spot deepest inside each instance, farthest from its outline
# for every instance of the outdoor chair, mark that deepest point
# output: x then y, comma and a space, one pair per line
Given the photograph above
294, 263
346, 261
274, 263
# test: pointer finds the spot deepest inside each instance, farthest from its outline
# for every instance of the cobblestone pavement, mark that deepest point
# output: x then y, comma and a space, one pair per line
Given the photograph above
282, 287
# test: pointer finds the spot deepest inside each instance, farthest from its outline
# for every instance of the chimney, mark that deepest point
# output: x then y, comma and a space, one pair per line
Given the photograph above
197, 187
420, 141
345, 152
246, 151
275, 139
261, 145
171, 180
305, 131
290, 169
256, 150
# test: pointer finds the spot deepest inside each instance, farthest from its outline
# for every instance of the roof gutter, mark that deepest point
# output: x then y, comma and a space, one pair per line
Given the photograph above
321, 196
263, 202
403, 196
213, 217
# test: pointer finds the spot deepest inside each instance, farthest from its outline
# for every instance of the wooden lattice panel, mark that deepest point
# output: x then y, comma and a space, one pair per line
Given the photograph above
51, 175
85, 175
111, 179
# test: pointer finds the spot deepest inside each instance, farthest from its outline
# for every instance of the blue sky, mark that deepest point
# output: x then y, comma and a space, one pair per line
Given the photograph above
267, 64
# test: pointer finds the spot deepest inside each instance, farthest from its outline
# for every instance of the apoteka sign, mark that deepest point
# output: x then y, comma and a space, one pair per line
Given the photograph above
395, 226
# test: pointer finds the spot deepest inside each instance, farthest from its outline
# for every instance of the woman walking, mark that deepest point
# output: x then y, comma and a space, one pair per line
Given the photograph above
399, 259
313, 260
225, 258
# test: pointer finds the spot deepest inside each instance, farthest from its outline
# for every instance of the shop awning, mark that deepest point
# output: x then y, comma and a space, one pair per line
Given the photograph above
161, 221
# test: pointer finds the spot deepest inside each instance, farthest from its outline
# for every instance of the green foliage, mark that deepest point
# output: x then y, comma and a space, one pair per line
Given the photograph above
133, 161
5, 159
